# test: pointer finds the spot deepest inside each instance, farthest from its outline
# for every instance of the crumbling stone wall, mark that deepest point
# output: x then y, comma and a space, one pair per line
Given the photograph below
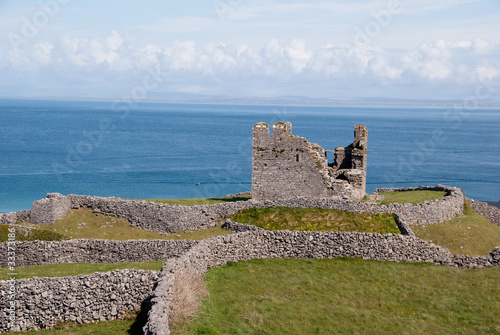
42, 302
286, 165
45, 211
94, 251
173, 218
483, 208
49, 210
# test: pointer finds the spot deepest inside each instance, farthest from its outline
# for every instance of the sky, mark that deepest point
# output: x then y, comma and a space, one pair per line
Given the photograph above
395, 49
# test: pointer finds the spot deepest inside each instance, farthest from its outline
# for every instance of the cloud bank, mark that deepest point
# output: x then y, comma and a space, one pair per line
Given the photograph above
275, 68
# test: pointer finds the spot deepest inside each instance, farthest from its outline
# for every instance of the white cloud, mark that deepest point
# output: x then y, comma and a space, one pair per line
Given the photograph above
230, 69
327, 60
480, 46
19, 60
181, 56
382, 69
147, 56
42, 53
298, 55
114, 41
487, 73
109, 51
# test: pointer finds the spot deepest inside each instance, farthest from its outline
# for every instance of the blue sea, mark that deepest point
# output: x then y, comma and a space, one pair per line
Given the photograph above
163, 150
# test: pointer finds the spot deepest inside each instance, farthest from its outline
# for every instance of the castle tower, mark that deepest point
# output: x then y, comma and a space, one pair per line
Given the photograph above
285, 165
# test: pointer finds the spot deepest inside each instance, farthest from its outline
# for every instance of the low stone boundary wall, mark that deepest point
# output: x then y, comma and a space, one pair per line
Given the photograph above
174, 218
240, 227
482, 208
403, 226
299, 244
43, 302
93, 251
427, 212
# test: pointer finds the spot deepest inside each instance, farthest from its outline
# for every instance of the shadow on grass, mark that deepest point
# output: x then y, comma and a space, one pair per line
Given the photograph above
141, 319
231, 199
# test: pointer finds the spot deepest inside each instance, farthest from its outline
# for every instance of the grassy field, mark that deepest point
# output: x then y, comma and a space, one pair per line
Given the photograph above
83, 223
347, 296
340, 296
412, 197
470, 234
198, 201
75, 269
278, 218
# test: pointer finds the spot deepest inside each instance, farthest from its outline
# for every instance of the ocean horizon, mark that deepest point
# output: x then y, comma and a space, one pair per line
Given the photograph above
187, 150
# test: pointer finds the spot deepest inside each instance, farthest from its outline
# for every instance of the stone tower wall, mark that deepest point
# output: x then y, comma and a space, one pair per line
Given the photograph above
286, 165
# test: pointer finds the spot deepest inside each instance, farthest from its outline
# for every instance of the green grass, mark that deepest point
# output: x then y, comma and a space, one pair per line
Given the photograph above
340, 296
198, 201
470, 234
131, 325
347, 296
101, 226
412, 197
32, 235
75, 269
280, 218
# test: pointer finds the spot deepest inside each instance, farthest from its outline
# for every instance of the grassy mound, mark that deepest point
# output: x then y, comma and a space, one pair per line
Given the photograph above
84, 223
280, 218
412, 197
75, 269
346, 296
470, 234
199, 201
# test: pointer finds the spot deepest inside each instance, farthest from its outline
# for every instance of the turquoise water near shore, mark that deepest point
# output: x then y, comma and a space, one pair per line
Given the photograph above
162, 150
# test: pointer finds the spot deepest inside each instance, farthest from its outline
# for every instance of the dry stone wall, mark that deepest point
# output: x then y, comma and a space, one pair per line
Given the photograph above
49, 210
93, 251
482, 208
42, 302
427, 212
174, 218
152, 216
13, 217
298, 244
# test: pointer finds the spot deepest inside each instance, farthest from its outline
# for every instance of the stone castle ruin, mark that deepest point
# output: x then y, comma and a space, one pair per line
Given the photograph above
288, 171
286, 165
